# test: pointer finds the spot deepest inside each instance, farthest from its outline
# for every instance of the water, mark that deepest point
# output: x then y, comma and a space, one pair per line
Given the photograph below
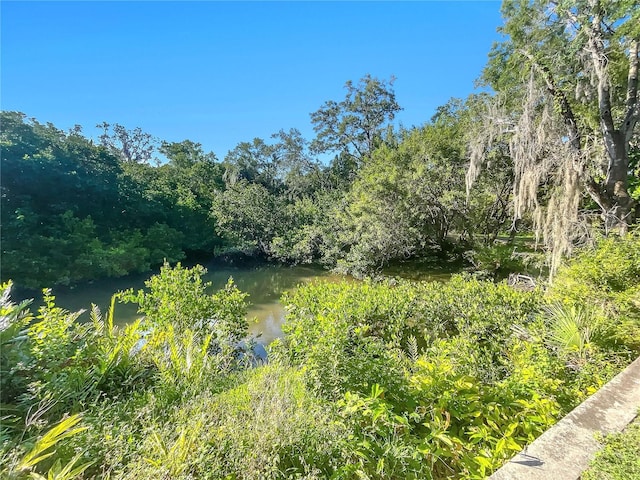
265, 285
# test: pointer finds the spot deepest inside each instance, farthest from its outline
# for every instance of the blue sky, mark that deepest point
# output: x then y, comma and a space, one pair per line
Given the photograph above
219, 73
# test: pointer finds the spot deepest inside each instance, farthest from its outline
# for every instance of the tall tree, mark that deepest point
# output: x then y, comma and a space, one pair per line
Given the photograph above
249, 215
567, 83
254, 162
188, 184
131, 146
354, 126
284, 165
299, 171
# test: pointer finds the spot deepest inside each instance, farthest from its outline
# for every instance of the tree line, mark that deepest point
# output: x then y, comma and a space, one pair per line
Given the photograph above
75, 209
553, 149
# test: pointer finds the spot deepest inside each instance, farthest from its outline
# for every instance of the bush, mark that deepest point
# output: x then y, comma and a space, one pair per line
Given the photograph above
392, 379
349, 335
619, 458
54, 365
607, 279
267, 426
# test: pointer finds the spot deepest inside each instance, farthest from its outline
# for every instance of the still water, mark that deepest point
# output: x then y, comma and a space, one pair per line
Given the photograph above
264, 284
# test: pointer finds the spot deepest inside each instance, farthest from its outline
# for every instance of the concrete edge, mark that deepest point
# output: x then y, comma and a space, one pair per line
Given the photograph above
565, 450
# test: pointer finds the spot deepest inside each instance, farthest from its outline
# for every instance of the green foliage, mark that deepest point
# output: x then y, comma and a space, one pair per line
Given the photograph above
611, 267
572, 329
289, 229
181, 358
348, 334
268, 426
114, 213
409, 198
45, 448
414, 184
429, 412
380, 443
448, 380
386, 379
607, 278
473, 425
171, 298
565, 88
193, 335
177, 351
117, 367
499, 260
393, 379
303, 241
345, 335
61, 364
177, 299
619, 458
55, 365
14, 321
73, 211
186, 187
249, 215
355, 125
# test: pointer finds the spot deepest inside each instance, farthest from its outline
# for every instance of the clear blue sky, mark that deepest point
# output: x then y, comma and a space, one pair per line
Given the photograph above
219, 73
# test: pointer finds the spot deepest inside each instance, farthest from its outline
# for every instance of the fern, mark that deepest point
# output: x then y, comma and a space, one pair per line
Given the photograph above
44, 448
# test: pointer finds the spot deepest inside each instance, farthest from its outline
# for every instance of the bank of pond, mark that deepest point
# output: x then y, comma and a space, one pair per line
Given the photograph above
263, 282
370, 379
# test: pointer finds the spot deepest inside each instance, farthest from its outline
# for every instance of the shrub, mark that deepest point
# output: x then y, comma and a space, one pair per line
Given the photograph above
268, 426
350, 336
619, 458
607, 278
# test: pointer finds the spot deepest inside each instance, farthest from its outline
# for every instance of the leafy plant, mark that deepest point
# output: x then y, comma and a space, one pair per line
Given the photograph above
607, 278
45, 448
619, 458
178, 297
571, 329
14, 321
182, 359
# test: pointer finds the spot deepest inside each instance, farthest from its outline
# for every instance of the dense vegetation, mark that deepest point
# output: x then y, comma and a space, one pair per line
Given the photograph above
554, 147
547, 150
74, 211
380, 379
619, 458
372, 380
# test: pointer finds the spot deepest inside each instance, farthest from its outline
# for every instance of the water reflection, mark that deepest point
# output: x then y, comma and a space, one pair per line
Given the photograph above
264, 284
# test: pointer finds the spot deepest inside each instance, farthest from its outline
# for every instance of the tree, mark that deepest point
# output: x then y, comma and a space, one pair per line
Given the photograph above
60, 207
283, 165
296, 168
567, 83
132, 146
249, 215
192, 176
188, 184
251, 161
355, 125
73, 211
406, 200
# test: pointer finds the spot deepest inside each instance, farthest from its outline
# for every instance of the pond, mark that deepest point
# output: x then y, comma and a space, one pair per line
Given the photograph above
264, 284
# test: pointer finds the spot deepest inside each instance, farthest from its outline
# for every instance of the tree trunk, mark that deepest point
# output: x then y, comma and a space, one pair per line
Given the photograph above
620, 211
618, 206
